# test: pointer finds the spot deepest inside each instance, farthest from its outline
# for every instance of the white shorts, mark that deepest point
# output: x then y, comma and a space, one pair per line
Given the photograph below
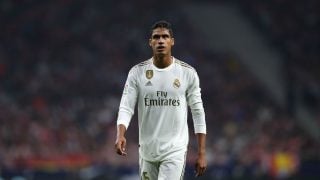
169, 169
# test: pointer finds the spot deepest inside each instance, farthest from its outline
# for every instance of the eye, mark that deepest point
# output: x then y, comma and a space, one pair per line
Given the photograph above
155, 36
165, 36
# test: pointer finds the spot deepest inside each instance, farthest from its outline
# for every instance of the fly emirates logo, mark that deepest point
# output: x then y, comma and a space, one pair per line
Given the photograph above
161, 100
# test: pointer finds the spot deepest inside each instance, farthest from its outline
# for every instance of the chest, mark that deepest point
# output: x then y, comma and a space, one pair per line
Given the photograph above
163, 83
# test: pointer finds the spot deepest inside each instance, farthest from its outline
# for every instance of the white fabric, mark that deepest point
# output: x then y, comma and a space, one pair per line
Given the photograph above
163, 97
171, 168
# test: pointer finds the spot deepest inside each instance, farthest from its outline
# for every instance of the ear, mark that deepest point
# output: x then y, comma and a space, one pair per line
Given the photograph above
172, 41
150, 42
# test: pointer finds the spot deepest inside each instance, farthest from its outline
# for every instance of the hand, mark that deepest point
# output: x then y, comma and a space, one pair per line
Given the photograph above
120, 146
201, 165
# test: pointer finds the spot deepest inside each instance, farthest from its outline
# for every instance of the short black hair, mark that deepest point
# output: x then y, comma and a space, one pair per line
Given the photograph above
162, 24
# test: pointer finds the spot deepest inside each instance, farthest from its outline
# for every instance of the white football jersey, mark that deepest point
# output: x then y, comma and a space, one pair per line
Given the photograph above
163, 97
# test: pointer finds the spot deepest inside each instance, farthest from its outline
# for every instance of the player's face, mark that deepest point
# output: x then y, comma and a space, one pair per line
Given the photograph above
161, 41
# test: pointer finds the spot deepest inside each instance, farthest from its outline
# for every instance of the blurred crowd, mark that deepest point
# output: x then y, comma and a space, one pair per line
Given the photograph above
293, 27
63, 64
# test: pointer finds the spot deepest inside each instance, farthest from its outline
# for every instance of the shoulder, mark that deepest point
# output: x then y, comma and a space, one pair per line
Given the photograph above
140, 66
189, 71
144, 63
184, 65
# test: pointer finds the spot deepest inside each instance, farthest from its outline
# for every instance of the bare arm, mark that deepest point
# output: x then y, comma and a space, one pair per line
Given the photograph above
201, 163
120, 144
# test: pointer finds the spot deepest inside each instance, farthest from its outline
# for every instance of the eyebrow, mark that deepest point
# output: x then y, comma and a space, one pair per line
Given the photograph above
160, 35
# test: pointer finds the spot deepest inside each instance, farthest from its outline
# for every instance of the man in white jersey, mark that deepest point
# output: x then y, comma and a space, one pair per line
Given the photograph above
163, 87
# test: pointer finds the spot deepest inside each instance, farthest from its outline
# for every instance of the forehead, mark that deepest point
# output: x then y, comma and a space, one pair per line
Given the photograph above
160, 31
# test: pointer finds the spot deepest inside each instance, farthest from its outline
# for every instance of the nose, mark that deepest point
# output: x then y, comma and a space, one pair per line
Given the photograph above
161, 40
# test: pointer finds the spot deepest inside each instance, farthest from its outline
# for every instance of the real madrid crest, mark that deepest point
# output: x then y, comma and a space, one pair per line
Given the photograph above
149, 74
176, 83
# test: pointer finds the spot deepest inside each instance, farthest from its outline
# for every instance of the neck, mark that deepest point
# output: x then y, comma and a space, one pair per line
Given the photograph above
162, 61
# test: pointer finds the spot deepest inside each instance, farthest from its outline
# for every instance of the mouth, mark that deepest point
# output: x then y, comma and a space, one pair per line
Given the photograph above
160, 48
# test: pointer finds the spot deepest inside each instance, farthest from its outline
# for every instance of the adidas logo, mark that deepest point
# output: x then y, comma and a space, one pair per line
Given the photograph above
149, 83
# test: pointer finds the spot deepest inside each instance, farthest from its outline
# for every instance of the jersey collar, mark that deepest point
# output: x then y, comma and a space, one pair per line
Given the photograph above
163, 69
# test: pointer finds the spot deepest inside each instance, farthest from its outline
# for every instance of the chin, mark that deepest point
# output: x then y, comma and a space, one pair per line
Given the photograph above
160, 54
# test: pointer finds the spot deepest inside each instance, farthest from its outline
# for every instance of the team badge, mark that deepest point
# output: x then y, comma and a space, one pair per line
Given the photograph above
149, 74
176, 83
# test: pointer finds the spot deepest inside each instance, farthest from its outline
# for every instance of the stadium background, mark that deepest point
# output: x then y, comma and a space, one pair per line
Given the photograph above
63, 64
